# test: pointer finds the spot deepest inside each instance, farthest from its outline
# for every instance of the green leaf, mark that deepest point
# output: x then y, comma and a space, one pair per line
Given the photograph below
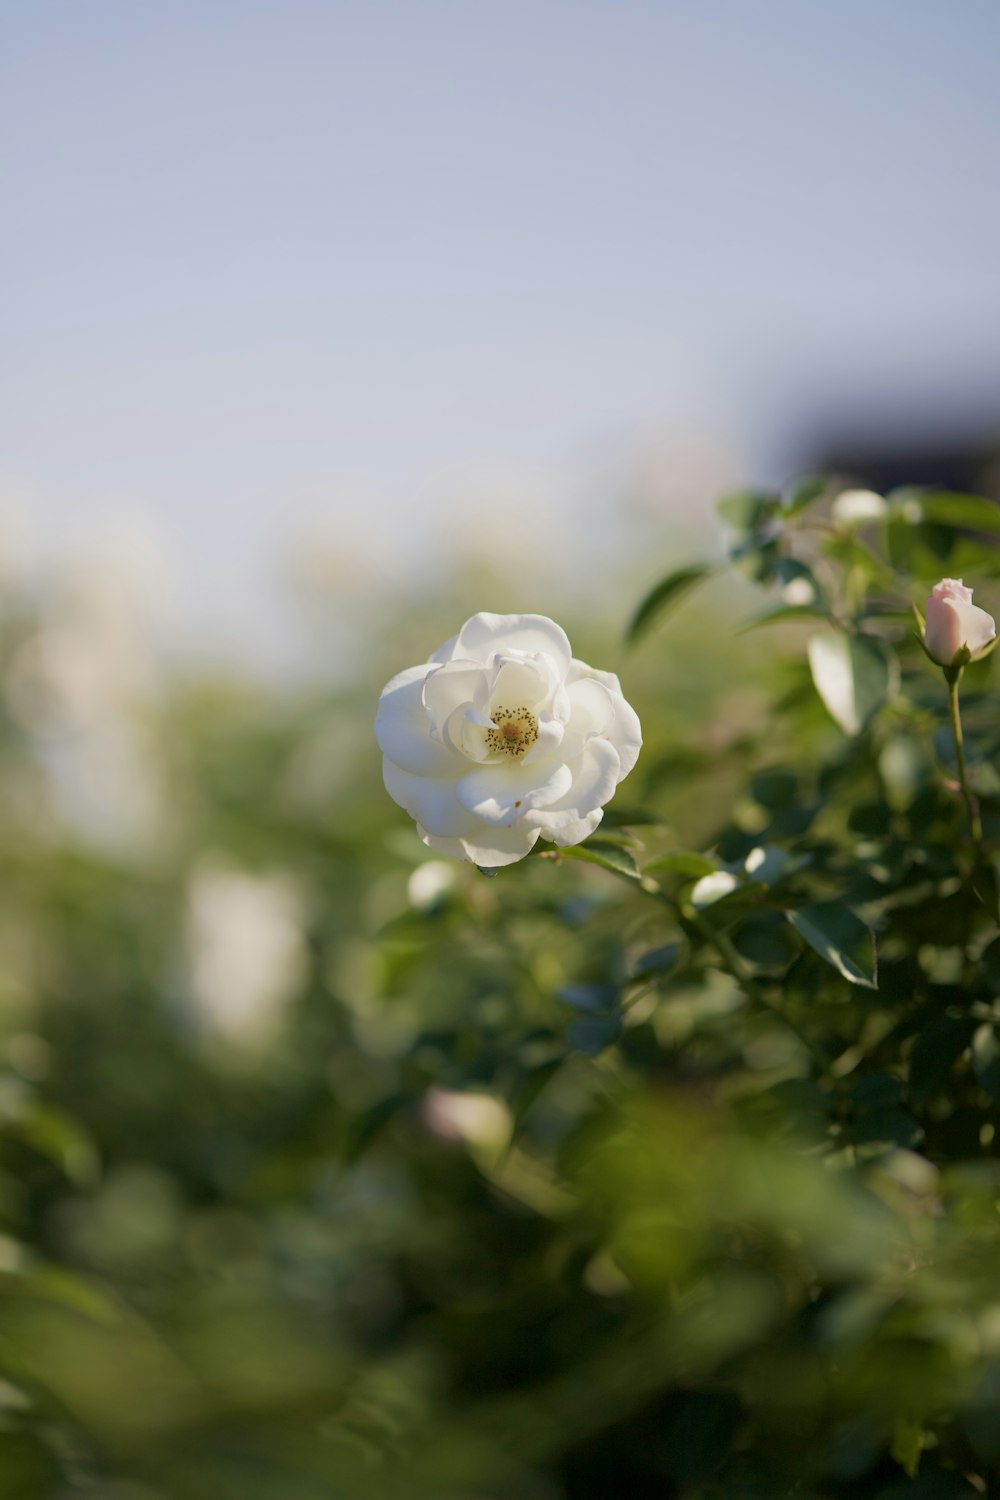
907, 1444
591, 1034
768, 865
531, 1084
682, 862
744, 510
601, 852
968, 512
986, 1058
656, 961
853, 675
57, 1136
783, 614
804, 492
775, 786
596, 999
833, 931
766, 941
366, 1128
881, 1129
874, 1091
668, 591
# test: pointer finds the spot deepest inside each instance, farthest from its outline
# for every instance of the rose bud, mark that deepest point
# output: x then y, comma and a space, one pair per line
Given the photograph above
954, 622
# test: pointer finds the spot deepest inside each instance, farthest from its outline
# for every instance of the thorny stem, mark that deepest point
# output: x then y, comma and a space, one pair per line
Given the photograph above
971, 806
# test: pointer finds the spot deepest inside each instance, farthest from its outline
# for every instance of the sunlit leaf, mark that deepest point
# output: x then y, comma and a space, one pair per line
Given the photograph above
853, 675
834, 932
668, 591
600, 852
712, 888
768, 865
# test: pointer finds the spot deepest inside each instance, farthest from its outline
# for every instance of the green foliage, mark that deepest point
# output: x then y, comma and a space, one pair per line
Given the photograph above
661, 1166
661, 596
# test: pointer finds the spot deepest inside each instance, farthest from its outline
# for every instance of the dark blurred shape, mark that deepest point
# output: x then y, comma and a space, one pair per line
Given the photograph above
947, 455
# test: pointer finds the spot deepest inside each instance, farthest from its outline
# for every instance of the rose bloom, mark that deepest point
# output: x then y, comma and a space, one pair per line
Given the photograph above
502, 738
953, 621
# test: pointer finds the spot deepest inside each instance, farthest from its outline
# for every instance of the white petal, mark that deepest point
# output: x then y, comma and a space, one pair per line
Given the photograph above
403, 729
583, 683
594, 778
466, 731
445, 652
521, 683
429, 801
978, 627
487, 847
591, 701
943, 630
449, 687
626, 736
485, 633
575, 833
550, 737
953, 589
579, 670
503, 796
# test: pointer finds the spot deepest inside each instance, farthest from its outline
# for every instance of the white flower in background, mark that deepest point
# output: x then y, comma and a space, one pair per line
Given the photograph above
247, 949
430, 883
476, 1119
502, 738
953, 621
858, 507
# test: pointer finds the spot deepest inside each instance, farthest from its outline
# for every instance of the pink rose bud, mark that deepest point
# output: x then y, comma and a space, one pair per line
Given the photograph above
953, 621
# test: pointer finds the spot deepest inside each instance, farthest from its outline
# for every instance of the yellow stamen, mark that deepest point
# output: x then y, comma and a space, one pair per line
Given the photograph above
514, 729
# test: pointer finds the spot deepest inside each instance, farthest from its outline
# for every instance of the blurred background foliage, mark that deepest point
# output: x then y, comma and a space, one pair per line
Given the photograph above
663, 1167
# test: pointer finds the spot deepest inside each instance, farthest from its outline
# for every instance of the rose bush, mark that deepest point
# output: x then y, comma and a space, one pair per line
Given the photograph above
953, 621
502, 737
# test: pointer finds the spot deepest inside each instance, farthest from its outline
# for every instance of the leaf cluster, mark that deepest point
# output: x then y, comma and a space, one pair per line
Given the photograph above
657, 1166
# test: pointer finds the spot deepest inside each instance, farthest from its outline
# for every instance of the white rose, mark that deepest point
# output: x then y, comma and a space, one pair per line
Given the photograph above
953, 621
503, 737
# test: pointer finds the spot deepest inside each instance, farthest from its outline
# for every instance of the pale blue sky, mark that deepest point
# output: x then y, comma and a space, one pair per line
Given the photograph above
268, 263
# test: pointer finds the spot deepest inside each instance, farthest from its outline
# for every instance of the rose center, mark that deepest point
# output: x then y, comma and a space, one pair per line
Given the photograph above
514, 729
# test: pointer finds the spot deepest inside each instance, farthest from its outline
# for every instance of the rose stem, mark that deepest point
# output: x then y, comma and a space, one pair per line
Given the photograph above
975, 823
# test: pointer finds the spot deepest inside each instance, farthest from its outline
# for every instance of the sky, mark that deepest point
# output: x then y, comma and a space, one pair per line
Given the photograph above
379, 275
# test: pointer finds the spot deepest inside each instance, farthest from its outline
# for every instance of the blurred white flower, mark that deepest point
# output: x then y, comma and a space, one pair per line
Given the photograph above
503, 737
953, 621
247, 949
857, 507
429, 882
476, 1119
